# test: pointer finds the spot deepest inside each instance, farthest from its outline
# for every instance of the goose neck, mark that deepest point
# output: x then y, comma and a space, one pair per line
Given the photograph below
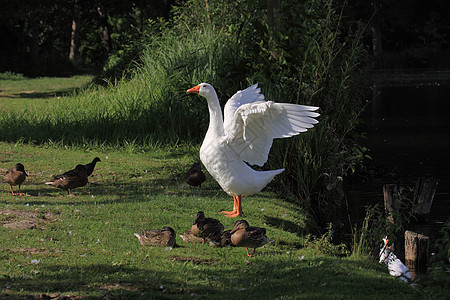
215, 116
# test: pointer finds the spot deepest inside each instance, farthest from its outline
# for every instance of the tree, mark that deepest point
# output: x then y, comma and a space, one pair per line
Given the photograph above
74, 37
104, 27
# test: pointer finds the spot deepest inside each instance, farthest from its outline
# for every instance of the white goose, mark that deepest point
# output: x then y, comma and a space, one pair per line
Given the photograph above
246, 134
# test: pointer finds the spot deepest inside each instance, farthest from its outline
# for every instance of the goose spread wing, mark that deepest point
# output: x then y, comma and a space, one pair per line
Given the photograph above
249, 95
256, 123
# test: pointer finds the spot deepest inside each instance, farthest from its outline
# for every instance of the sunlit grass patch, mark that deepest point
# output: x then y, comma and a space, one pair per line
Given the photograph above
84, 245
43, 91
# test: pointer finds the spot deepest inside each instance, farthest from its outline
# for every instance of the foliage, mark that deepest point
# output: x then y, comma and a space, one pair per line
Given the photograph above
436, 284
36, 37
324, 244
376, 225
316, 64
11, 76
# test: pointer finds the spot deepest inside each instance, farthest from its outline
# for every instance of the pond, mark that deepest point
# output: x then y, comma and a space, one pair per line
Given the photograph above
408, 136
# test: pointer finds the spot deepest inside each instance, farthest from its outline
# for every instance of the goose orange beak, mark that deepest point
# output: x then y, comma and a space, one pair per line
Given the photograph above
194, 90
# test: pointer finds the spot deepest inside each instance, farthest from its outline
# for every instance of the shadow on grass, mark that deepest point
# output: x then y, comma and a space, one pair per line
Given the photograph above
42, 95
118, 192
259, 278
285, 225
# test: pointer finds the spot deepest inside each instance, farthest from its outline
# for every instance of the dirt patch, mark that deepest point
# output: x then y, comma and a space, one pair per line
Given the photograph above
22, 224
33, 251
23, 219
120, 286
54, 296
195, 261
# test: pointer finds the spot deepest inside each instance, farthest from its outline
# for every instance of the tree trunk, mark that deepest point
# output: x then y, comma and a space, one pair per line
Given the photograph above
104, 27
390, 193
73, 52
34, 43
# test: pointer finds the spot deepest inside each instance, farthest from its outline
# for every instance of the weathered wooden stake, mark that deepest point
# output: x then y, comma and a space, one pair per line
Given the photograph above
416, 251
390, 192
424, 194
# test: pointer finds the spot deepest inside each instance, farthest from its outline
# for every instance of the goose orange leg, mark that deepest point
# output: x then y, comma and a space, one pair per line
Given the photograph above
237, 209
12, 192
234, 207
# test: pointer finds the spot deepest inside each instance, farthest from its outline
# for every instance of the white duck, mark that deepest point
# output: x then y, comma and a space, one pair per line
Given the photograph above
395, 266
246, 135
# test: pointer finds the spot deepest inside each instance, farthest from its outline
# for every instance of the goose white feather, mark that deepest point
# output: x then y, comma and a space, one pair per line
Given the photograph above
393, 263
245, 134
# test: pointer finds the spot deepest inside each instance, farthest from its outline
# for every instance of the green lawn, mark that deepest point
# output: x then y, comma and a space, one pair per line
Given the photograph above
17, 93
84, 245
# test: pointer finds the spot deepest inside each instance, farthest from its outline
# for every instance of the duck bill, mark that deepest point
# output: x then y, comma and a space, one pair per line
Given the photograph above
194, 90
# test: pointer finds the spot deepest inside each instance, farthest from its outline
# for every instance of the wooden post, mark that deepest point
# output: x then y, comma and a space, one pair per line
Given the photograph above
424, 194
416, 251
390, 192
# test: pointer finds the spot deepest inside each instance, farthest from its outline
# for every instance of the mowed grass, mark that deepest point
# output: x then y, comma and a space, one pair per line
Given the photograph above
16, 92
83, 245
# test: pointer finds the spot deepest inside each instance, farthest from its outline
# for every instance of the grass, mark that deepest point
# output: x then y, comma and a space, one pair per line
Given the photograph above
42, 91
84, 245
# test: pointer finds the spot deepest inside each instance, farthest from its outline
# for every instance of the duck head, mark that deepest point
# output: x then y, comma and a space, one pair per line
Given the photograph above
239, 225
196, 166
199, 218
20, 167
168, 228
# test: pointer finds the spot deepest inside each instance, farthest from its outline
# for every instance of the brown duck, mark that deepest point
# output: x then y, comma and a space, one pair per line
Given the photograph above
244, 235
15, 176
90, 166
71, 179
195, 176
225, 239
189, 237
207, 228
157, 237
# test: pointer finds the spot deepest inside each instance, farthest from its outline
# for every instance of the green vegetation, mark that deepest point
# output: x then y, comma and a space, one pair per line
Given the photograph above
147, 130
27, 92
84, 245
229, 44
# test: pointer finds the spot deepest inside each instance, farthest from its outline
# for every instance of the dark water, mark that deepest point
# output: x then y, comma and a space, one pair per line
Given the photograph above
408, 137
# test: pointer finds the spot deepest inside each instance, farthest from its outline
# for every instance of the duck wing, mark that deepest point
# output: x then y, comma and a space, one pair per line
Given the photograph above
66, 175
257, 236
71, 179
251, 124
7, 176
